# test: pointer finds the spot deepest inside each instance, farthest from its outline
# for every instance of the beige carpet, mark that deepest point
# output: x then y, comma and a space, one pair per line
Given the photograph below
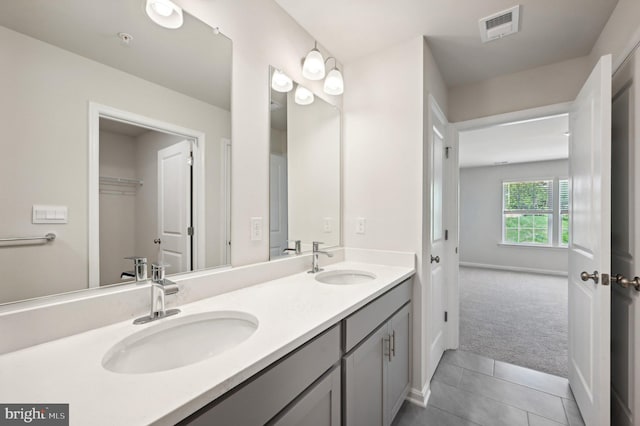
515, 317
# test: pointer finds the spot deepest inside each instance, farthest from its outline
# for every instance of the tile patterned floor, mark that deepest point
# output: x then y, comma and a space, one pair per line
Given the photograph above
471, 390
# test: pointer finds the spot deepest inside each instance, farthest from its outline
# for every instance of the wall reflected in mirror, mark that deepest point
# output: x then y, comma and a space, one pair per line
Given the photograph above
305, 173
154, 198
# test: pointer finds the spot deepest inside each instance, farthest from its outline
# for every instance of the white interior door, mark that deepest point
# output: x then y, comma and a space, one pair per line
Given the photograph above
278, 222
625, 245
435, 253
589, 248
174, 206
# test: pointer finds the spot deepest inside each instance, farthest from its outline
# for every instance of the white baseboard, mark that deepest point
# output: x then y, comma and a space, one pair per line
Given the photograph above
515, 269
419, 397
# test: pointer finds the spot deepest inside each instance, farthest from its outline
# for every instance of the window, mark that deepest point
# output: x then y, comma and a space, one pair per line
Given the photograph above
532, 216
563, 194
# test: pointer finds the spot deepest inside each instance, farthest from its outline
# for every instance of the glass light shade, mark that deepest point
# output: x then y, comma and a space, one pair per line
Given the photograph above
165, 13
334, 84
303, 96
313, 66
280, 82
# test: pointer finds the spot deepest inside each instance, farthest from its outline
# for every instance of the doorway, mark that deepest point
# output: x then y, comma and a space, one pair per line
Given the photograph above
146, 195
513, 241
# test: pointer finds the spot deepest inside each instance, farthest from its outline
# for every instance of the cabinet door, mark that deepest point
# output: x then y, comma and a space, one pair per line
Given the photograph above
398, 377
365, 381
319, 406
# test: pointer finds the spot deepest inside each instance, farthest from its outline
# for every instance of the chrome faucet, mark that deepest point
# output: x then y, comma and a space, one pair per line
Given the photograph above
160, 287
315, 267
139, 268
297, 248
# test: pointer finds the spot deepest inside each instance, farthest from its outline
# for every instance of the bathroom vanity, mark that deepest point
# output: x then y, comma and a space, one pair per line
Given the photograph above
316, 353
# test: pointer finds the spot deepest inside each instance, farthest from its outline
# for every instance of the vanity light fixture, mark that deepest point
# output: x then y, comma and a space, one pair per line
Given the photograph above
280, 82
334, 84
313, 65
165, 13
303, 96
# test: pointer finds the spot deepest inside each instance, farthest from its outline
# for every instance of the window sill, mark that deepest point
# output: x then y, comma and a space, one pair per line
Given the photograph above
539, 246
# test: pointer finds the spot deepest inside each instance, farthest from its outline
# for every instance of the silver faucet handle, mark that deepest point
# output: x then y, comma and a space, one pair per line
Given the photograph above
316, 244
157, 272
137, 260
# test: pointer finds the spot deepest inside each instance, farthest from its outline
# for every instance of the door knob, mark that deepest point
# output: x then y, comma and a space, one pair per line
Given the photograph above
435, 259
625, 282
585, 276
157, 241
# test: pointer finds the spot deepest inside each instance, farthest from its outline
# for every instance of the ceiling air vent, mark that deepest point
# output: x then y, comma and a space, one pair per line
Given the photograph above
500, 24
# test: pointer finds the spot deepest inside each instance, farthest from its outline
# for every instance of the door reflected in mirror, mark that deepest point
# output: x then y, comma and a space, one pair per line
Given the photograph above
305, 172
127, 188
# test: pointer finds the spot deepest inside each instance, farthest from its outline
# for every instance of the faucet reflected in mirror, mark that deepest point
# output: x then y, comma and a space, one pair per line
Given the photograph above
50, 88
304, 170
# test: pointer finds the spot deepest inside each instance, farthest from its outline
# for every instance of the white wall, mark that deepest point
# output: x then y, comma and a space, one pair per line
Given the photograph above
117, 211
313, 172
262, 34
620, 34
383, 162
545, 85
45, 96
481, 217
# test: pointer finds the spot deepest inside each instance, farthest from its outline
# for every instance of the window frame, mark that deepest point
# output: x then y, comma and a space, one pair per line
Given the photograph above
555, 225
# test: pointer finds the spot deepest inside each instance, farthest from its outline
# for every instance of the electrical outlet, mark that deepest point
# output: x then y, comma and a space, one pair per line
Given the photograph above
361, 225
256, 229
327, 225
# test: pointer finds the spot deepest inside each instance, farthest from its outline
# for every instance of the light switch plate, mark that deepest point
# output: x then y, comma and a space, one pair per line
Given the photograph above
326, 227
361, 225
49, 214
256, 229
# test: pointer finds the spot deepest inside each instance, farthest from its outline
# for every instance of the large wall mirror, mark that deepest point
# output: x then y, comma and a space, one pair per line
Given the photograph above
305, 172
117, 142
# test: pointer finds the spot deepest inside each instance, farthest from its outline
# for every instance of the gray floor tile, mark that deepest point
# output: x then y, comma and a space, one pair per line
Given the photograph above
519, 396
407, 415
573, 412
430, 416
448, 374
469, 360
544, 382
474, 407
535, 420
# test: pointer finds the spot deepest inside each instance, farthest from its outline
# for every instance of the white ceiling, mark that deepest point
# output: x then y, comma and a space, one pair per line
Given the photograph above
550, 31
192, 60
539, 140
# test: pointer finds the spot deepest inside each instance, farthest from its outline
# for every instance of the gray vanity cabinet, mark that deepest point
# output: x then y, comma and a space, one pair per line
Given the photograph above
318, 406
376, 371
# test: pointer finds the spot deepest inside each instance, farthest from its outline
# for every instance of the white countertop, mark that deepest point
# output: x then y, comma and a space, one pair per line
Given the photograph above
290, 311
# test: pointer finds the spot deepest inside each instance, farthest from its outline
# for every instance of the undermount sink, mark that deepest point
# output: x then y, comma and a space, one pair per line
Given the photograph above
345, 276
179, 342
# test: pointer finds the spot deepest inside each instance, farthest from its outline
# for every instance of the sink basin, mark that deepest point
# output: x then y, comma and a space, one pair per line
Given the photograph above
179, 342
345, 277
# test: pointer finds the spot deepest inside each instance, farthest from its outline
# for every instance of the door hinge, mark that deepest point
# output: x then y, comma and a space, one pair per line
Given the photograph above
446, 316
190, 159
456, 250
446, 152
446, 234
190, 231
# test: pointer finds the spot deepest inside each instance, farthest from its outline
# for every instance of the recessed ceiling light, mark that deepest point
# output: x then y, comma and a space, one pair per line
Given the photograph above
165, 13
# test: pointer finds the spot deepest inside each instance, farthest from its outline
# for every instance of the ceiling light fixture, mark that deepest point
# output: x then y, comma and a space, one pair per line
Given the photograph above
280, 82
334, 83
313, 65
303, 96
165, 13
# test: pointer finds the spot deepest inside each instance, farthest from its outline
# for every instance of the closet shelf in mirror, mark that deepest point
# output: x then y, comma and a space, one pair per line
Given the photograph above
119, 186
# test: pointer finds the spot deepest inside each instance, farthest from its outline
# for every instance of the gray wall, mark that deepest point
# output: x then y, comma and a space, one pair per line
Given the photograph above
481, 218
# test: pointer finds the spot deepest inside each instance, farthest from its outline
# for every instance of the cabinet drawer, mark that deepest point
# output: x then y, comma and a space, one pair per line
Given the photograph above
270, 391
362, 323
